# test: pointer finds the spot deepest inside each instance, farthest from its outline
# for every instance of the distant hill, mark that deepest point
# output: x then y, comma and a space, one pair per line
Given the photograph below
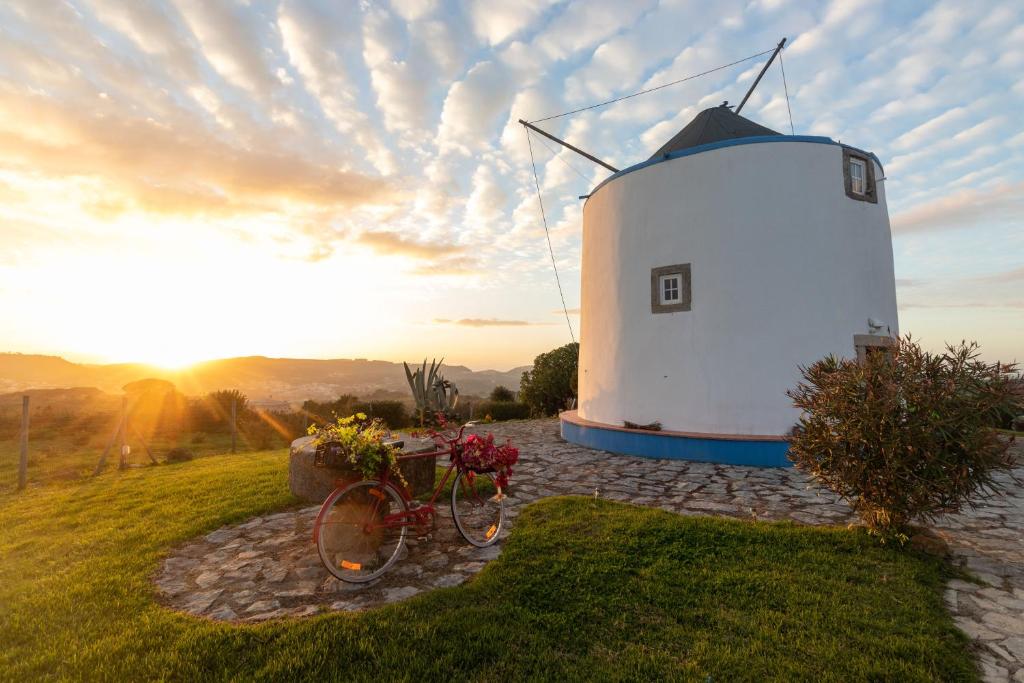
258, 377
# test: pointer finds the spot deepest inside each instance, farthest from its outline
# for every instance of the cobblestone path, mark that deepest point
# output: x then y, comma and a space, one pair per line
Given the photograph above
268, 567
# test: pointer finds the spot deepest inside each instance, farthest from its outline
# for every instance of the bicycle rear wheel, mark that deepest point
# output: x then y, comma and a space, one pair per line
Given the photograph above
478, 517
362, 531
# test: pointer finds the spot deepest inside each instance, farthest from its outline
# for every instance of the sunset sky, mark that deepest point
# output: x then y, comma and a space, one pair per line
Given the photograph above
195, 179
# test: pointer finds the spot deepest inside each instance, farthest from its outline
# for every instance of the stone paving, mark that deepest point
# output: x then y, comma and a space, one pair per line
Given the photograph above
268, 567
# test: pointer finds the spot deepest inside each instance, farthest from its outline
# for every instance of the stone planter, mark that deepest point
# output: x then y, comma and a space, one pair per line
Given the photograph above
314, 484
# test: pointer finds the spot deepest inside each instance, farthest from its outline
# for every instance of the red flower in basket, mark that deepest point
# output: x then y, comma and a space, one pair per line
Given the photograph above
482, 455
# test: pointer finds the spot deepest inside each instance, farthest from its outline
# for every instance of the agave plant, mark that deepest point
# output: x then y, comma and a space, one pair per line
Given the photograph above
432, 392
445, 396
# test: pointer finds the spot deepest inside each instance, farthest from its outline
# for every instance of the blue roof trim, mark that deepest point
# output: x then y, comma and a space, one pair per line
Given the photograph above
753, 140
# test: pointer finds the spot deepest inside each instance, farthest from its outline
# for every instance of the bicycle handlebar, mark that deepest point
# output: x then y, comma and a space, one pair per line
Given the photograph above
447, 436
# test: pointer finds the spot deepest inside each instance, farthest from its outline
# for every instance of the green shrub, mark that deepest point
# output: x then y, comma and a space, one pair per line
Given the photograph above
179, 455
501, 410
502, 394
904, 435
393, 413
551, 385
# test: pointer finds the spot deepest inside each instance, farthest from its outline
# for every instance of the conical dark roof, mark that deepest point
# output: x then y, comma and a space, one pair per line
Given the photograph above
713, 125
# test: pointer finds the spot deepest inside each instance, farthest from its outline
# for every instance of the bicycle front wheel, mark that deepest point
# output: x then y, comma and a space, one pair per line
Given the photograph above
362, 531
478, 517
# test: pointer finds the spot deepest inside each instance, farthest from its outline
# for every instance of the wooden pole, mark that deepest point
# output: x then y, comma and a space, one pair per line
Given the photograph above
23, 460
778, 48
565, 144
234, 425
110, 444
123, 463
145, 445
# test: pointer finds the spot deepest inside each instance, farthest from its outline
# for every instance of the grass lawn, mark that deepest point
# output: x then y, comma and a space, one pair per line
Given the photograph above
585, 589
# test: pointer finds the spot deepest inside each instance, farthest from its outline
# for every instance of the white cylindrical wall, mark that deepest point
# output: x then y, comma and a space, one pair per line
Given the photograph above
785, 269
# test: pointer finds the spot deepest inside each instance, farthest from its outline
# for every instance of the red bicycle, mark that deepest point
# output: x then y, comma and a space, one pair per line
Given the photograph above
362, 526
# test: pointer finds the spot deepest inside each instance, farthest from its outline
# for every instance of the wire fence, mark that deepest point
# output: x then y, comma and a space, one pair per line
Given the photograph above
42, 443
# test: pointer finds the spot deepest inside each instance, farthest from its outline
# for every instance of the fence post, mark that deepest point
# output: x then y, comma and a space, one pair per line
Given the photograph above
23, 460
234, 426
123, 462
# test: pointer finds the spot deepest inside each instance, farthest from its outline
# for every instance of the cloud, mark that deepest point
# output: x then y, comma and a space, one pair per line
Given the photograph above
1013, 275
473, 108
487, 322
174, 165
495, 22
308, 36
1004, 202
152, 28
930, 129
402, 74
413, 10
393, 244
585, 23
486, 206
440, 41
231, 42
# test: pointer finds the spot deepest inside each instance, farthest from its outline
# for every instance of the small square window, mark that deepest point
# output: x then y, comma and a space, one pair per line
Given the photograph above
857, 175
670, 288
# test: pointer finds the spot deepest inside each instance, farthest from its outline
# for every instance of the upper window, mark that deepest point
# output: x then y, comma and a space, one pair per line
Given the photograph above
858, 173
670, 288
859, 176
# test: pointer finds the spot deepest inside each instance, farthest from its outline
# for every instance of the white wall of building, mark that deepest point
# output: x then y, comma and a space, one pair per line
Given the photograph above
785, 269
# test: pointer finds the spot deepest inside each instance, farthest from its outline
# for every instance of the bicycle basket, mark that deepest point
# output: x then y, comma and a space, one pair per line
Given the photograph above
330, 454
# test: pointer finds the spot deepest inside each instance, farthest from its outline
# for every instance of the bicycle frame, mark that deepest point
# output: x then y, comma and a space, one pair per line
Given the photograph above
410, 516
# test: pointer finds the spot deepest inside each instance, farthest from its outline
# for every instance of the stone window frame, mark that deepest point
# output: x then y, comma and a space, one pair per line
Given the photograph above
871, 343
685, 288
870, 190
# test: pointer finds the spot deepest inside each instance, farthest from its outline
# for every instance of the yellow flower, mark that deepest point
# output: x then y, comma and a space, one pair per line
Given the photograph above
360, 416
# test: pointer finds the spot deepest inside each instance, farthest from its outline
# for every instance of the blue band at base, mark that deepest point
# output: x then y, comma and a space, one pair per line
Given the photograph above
677, 447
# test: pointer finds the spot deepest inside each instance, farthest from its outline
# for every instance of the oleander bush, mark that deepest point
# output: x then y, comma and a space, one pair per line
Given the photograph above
905, 435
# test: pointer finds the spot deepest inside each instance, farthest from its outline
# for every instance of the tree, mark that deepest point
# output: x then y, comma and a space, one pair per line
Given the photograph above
903, 435
501, 394
222, 399
214, 411
551, 384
